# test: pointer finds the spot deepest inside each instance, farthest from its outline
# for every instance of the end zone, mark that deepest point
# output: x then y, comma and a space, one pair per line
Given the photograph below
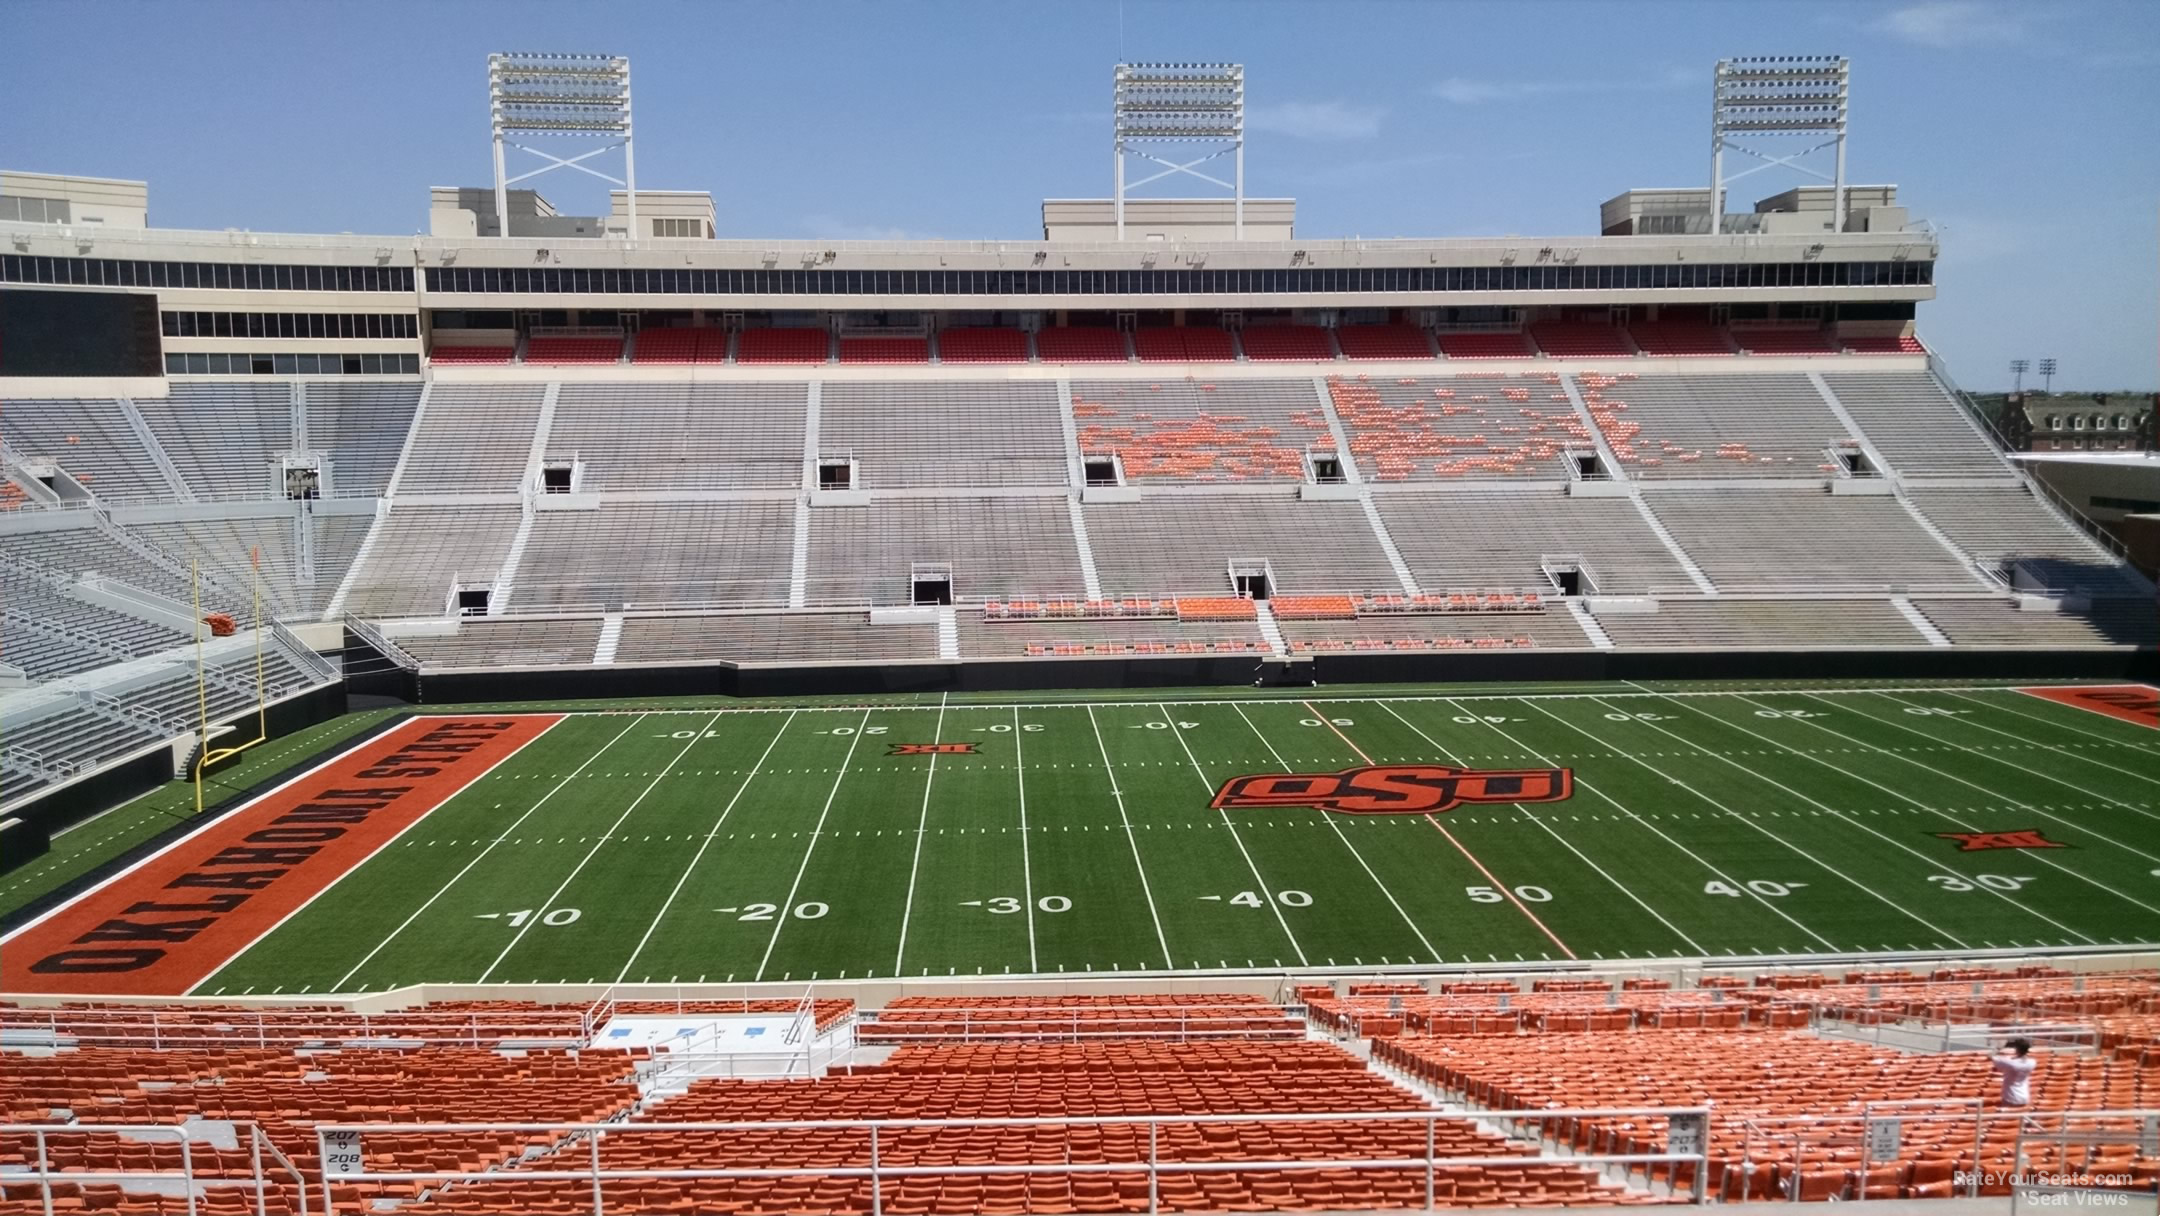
2139, 703
167, 923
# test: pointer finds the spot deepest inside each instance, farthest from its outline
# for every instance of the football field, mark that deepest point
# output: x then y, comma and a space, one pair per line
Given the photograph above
1419, 829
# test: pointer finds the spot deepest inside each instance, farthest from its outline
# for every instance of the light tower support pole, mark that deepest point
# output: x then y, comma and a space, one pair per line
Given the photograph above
1772, 95
1187, 103
543, 93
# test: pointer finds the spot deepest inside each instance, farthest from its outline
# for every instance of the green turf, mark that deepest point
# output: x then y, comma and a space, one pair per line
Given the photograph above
787, 844
91, 843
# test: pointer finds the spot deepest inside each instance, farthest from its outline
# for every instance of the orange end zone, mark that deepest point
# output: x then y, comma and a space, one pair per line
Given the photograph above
2139, 703
168, 923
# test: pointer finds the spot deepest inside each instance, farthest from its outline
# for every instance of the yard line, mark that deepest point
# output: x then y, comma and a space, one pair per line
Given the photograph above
2127, 772
702, 846
1565, 843
1727, 879
2036, 855
922, 829
1170, 719
1329, 818
1912, 730
787, 909
1945, 934
1027, 871
1499, 886
1119, 794
499, 838
1782, 746
548, 904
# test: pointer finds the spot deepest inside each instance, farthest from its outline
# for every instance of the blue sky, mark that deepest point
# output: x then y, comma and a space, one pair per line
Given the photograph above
2025, 131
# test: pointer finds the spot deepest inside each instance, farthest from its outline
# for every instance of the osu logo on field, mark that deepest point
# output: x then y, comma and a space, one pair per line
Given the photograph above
932, 749
1395, 789
2025, 838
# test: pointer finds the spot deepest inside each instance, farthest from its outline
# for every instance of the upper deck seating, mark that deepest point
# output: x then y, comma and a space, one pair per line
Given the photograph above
1715, 426
602, 349
982, 344
472, 354
997, 548
1446, 428
472, 439
89, 439
801, 346
1582, 340
1806, 540
1918, 429
681, 436
680, 346
950, 433
1475, 540
1290, 343
1903, 345
884, 350
224, 437
657, 554
1383, 342
1183, 344
1484, 344
1679, 338
362, 428
1189, 431
1081, 344
1182, 544
1784, 340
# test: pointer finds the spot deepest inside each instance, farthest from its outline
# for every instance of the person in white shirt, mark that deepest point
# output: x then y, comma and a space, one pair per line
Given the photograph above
2014, 1064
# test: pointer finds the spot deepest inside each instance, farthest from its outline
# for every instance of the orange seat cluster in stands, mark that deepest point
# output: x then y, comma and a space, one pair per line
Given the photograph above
1314, 607
1216, 608
1208, 446
573, 350
1455, 427
1206, 1015
1343, 644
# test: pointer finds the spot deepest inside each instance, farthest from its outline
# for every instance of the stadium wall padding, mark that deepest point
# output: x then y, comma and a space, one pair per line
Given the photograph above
1373, 667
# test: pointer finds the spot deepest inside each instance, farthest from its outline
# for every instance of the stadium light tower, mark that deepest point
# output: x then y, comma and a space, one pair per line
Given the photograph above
2047, 371
1775, 95
1179, 103
540, 93
2018, 368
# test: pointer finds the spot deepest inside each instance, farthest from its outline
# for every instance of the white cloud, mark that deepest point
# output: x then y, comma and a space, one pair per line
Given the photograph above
1948, 23
1327, 120
833, 228
1463, 91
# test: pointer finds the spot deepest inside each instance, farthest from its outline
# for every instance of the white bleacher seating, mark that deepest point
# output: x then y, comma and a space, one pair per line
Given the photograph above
1469, 540
1918, 429
473, 439
997, 548
362, 428
225, 437
772, 637
688, 553
1715, 426
337, 542
90, 439
1806, 540
509, 642
1452, 428
1553, 628
1999, 622
953, 434
1192, 430
1173, 544
682, 436
1997, 524
418, 551
223, 547
1730, 624
980, 639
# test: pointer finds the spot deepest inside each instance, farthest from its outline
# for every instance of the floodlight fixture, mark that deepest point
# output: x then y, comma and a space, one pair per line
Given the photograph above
1768, 96
2018, 368
2047, 370
536, 93
1153, 104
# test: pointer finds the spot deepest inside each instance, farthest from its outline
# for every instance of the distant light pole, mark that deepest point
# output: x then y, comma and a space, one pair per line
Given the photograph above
2019, 367
2047, 369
